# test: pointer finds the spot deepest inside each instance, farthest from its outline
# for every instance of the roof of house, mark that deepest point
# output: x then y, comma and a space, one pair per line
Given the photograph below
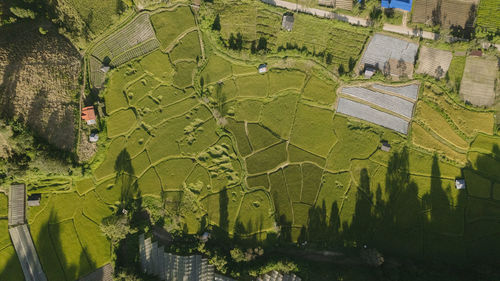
385, 146
460, 183
287, 22
263, 68
88, 113
397, 4
17, 198
94, 137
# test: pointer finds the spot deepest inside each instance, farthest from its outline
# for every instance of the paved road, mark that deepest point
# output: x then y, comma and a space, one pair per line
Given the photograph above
318, 12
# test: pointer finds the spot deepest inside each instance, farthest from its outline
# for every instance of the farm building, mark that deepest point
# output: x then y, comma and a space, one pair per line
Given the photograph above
287, 23
104, 273
263, 68
478, 81
397, 4
447, 13
34, 199
17, 208
460, 184
94, 137
88, 114
434, 62
167, 266
390, 55
276, 276
385, 146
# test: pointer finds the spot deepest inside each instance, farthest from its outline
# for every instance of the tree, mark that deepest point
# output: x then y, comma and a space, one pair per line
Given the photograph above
216, 24
124, 276
237, 255
22, 13
341, 69
262, 44
239, 41
115, 228
329, 58
372, 257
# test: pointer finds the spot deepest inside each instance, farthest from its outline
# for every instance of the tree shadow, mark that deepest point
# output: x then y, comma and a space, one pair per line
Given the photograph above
129, 190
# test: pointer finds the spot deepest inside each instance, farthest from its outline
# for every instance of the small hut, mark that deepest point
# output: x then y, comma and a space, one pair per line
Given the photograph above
287, 23
460, 183
385, 146
263, 68
34, 199
94, 137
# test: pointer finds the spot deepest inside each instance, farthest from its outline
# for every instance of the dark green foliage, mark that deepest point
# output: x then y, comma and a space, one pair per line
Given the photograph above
216, 24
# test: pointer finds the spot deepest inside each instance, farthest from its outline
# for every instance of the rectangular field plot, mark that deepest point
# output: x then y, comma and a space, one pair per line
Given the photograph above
434, 62
409, 91
392, 103
367, 113
478, 82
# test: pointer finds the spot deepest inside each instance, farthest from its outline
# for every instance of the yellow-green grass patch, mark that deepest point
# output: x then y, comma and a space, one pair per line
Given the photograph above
139, 163
239, 132
239, 69
248, 110
216, 69
421, 164
293, 178
167, 95
439, 190
487, 145
165, 142
120, 122
485, 165
198, 138
182, 19
252, 86
10, 268
300, 214
266, 159
149, 183
140, 88
158, 64
3, 205
319, 91
115, 99
311, 181
298, 155
255, 213
438, 124
95, 245
4, 233
420, 137
313, 129
468, 121
183, 107
184, 75
146, 104
280, 79
281, 201
174, 172
229, 89
258, 181
69, 250
94, 208
456, 69
222, 208
62, 206
199, 181
278, 114
476, 185
353, 142
188, 48
96, 15
84, 185
108, 191
260, 137
107, 167
137, 140
332, 192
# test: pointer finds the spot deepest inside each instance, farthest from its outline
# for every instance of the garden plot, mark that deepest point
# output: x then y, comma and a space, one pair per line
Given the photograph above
390, 55
434, 62
135, 39
370, 114
391, 103
478, 82
488, 15
445, 12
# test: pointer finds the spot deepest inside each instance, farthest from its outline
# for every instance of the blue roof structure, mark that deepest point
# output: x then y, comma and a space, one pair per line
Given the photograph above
397, 4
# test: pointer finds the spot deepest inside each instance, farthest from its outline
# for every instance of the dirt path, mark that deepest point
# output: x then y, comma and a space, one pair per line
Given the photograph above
410, 31
319, 13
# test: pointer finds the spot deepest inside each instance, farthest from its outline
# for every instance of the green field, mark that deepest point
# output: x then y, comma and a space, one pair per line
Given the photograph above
265, 156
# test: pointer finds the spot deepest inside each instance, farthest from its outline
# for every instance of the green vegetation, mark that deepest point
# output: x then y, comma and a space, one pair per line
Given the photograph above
163, 23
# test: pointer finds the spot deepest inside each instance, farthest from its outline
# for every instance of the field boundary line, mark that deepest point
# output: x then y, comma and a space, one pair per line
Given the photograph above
89, 261
440, 138
176, 41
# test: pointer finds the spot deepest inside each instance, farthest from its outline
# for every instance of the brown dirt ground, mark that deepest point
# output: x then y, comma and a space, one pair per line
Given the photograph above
39, 81
450, 12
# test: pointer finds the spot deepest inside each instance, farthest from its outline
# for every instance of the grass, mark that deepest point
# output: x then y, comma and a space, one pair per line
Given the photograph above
119, 123
260, 137
140, 163
96, 14
468, 121
94, 243
354, 141
94, 208
252, 86
298, 155
11, 268
279, 194
421, 138
313, 129
456, 70
266, 159
184, 107
174, 172
84, 185
182, 18
222, 208
496, 191
300, 214
319, 91
248, 110
255, 213
149, 183
488, 15
258, 181
486, 165
311, 180
158, 63
293, 178
438, 124
476, 185
184, 75
332, 192
140, 88
3, 205
188, 48
487, 145
239, 132
278, 114
137, 140
280, 79
421, 163
108, 191
216, 69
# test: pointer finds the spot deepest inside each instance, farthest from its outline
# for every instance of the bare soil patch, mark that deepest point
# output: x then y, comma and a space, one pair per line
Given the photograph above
478, 82
39, 81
